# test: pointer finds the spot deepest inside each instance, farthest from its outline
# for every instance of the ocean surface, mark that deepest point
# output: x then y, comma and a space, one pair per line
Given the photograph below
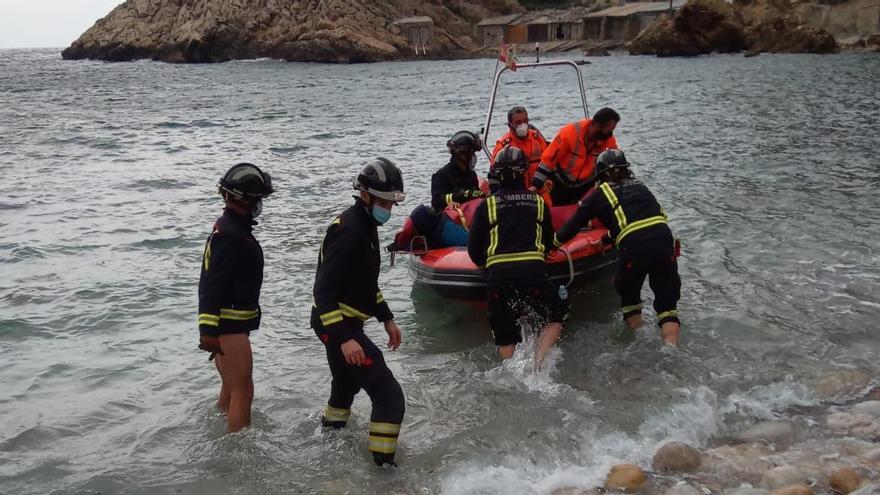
767, 166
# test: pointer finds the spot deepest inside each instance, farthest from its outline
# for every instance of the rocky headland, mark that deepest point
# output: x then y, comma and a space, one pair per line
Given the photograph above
340, 31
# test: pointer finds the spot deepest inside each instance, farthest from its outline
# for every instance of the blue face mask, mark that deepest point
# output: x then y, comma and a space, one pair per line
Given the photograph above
381, 215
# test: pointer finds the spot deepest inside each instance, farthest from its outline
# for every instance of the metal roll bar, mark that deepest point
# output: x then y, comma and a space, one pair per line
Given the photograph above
534, 65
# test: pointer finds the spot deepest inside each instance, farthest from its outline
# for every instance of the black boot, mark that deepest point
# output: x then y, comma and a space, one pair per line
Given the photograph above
383, 459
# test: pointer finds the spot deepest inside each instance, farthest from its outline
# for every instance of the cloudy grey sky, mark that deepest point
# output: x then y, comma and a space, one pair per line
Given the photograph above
48, 23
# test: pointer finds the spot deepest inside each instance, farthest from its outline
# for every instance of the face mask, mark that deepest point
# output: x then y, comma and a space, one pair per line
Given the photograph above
604, 136
522, 130
380, 215
473, 163
257, 209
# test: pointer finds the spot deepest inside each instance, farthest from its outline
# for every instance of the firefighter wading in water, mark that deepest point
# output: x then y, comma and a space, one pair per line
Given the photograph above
346, 295
638, 226
229, 289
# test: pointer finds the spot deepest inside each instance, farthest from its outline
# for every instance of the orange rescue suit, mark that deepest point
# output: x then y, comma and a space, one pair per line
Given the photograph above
568, 159
532, 146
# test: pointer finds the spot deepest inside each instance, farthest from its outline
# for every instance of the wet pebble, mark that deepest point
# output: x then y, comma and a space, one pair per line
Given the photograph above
846, 422
836, 383
768, 431
871, 407
676, 457
783, 476
746, 490
845, 480
682, 489
873, 455
627, 477
793, 490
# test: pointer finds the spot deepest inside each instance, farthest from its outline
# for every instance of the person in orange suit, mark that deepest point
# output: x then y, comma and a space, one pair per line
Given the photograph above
528, 139
570, 160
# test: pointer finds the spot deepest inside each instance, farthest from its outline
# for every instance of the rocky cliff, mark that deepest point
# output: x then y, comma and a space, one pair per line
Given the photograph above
707, 26
295, 30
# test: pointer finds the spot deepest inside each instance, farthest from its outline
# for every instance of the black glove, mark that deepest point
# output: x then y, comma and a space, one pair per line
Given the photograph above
607, 240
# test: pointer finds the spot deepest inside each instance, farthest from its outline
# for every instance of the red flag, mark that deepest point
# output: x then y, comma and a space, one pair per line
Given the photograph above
506, 54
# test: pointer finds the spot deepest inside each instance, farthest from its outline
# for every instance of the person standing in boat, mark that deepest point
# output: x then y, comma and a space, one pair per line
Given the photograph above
638, 226
570, 160
347, 294
511, 234
457, 181
229, 289
521, 134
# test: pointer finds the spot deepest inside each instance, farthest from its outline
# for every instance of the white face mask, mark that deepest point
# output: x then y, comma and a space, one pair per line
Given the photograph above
522, 130
257, 209
473, 163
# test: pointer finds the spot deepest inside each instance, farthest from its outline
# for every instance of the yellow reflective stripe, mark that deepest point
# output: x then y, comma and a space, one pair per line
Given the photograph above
641, 224
538, 243
493, 241
540, 208
511, 257
556, 241
667, 314
235, 314
207, 255
615, 204
386, 428
380, 298
634, 307
352, 313
449, 198
382, 445
209, 319
336, 414
331, 317
493, 213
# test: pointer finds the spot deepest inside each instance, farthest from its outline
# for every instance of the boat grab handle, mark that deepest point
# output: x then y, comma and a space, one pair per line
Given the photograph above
570, 266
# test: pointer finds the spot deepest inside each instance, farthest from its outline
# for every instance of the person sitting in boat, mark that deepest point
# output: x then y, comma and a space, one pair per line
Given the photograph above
521, 134
570, 160
638, 227
510, 236
427, 229
457, 182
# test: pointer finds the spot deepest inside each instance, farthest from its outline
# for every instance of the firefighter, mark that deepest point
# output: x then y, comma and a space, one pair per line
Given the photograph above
457, 182
510, 236
521, 134
346, 295
229, 289
638, 226
570, 160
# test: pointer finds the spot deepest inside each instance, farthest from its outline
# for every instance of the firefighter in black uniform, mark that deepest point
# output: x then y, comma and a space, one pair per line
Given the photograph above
457, 182
229, 289
638, 226
510, 236
346, 295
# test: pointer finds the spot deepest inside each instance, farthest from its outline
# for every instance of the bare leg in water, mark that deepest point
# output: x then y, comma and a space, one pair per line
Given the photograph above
634, 321
223, 399
670, 331
546, 340
236, 371
506, 351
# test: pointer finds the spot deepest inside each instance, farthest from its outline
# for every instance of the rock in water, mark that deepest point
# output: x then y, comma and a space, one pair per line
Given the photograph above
296, 30
871, 407
845, 480
769, 431
676, 457
793, 490
627, 477
873, 455
836, 383
783, 476
699, 27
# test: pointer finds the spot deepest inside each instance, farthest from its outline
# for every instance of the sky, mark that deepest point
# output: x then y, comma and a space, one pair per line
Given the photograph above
48, 23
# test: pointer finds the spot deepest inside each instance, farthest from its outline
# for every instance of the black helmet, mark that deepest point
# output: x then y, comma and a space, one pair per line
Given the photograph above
515, 110
510, 163
464, 141
610, 159
382, 179
246, 181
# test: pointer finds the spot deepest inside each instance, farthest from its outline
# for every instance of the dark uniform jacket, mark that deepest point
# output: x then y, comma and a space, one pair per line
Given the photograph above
231, 277
346, 287
627, 208
511, 229
451, 184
